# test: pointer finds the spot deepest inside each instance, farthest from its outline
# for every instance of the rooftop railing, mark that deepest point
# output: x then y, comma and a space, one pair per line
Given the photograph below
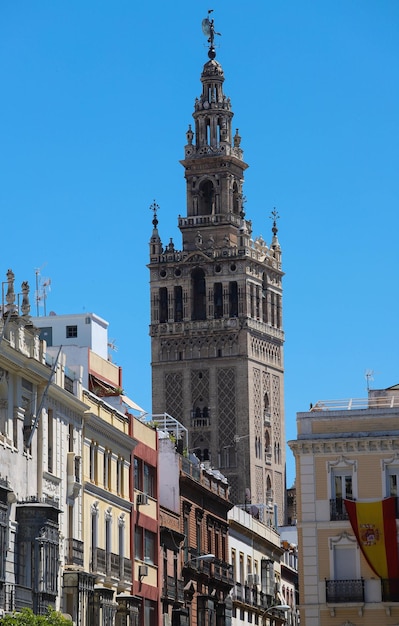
355, 404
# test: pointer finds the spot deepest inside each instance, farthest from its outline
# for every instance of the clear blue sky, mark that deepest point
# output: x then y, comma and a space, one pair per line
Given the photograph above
96, 100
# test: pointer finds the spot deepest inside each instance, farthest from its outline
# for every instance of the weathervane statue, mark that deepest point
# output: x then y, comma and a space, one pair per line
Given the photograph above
208, 29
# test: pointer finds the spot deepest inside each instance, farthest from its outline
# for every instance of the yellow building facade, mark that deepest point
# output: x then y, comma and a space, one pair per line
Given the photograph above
345, 450
107, 508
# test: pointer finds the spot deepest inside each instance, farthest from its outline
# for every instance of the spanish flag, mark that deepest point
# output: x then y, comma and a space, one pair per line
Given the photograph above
374, 524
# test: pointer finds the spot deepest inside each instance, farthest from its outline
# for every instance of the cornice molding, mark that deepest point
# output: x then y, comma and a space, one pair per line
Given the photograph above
364, 444
107, 496
94, 424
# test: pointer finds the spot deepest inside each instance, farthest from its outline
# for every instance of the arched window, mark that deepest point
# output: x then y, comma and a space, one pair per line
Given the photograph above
199, 294
163, 305
218, 300
264, 298
206, 197
269, 490
236, 199
267, 445
233, 299
178, 304
266, 406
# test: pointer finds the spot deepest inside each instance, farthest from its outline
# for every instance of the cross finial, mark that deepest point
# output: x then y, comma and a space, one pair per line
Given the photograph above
155, 208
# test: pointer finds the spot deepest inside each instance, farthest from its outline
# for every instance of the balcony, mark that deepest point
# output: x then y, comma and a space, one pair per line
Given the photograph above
390, 589
73, 552
23, 597
338, 511
200, 419
344, 591
111, 565
250, 596
223, 571
126, 572
172, 591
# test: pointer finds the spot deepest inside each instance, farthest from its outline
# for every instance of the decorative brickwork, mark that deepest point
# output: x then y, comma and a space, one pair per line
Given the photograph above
200, 387
227, 406
260, 487
266, 351
174, 395
276, 409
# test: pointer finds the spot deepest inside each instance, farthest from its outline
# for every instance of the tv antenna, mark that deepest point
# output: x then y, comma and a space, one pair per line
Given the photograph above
112, 345
42, 287
369, 376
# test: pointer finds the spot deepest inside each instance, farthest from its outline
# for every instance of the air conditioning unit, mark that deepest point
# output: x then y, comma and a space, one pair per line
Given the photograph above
142, 499
143, 571
253, 579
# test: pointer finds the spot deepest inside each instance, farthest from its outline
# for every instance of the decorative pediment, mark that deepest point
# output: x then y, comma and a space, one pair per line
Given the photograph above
341, 462
394, 460
197, 257
343, 538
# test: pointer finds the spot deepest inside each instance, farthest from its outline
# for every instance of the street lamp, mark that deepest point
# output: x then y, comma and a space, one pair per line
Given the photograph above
181, 616
201, 557
276, 607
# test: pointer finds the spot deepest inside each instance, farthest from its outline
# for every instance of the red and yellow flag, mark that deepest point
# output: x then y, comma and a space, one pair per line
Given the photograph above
374, 524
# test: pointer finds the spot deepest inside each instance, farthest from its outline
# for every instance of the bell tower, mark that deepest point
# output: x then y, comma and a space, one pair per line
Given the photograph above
216, 313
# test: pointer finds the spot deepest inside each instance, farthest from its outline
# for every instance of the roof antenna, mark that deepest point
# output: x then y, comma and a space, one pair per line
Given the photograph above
369, 376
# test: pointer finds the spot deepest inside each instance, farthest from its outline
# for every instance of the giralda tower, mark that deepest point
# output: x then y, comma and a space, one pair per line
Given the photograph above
216, 313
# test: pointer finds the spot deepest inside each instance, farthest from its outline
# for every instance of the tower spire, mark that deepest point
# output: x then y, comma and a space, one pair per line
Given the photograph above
155, 241
275, 216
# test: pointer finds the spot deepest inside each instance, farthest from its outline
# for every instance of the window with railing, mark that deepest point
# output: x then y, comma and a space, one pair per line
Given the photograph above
344, 591
50, 440
3, 540
392, 484
149, 480
341, 489
390, 589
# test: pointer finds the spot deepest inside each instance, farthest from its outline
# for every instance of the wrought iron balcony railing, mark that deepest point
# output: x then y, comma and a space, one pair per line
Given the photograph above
390, 589
338, 510
338, 591
110, 564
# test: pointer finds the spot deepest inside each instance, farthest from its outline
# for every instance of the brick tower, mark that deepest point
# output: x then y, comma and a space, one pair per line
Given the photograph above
216, 313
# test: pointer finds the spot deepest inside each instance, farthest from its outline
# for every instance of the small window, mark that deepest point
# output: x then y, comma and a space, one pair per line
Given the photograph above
71, 331
149, 480
149, 547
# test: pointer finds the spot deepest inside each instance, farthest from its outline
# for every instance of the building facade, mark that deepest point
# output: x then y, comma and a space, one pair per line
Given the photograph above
41, 424
145, 527
110, 577
196, 573
216, 314
257, 557
347, 459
